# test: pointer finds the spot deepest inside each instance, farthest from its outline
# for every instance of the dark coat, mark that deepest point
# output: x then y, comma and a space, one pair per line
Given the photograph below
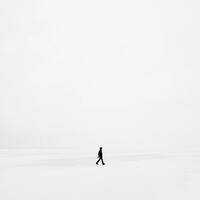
100, 154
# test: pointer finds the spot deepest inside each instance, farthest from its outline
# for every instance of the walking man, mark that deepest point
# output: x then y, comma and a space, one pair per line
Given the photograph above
100, 156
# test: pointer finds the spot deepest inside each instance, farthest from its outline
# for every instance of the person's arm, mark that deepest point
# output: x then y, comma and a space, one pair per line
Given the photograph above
100, 154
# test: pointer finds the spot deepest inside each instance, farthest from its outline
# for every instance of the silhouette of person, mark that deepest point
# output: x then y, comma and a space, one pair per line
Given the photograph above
100, 156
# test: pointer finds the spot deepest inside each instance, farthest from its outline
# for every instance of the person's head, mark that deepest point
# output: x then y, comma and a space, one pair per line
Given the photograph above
100, 148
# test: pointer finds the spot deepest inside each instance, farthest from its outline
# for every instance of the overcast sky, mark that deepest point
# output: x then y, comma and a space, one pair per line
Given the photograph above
83, 73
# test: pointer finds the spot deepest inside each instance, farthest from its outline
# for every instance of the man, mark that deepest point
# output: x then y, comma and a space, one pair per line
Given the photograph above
100, 156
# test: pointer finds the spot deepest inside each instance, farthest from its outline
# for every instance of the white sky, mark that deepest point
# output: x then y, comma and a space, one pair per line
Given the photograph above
121, 74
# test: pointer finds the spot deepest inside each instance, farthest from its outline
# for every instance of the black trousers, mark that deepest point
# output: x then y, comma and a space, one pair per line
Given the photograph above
101, 161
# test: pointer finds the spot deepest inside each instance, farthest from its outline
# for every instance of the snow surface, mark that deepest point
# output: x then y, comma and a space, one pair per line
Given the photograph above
49, 175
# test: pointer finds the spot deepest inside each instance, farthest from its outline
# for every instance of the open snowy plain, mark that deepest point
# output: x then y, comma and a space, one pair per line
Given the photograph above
61, 175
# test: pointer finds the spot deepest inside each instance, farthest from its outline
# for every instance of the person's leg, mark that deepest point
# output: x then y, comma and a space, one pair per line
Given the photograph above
102, 161
98, 161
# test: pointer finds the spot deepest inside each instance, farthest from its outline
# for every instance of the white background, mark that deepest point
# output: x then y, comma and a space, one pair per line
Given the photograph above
120, 74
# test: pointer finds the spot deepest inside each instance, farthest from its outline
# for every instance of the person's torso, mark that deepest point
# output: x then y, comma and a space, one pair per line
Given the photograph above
100, 154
